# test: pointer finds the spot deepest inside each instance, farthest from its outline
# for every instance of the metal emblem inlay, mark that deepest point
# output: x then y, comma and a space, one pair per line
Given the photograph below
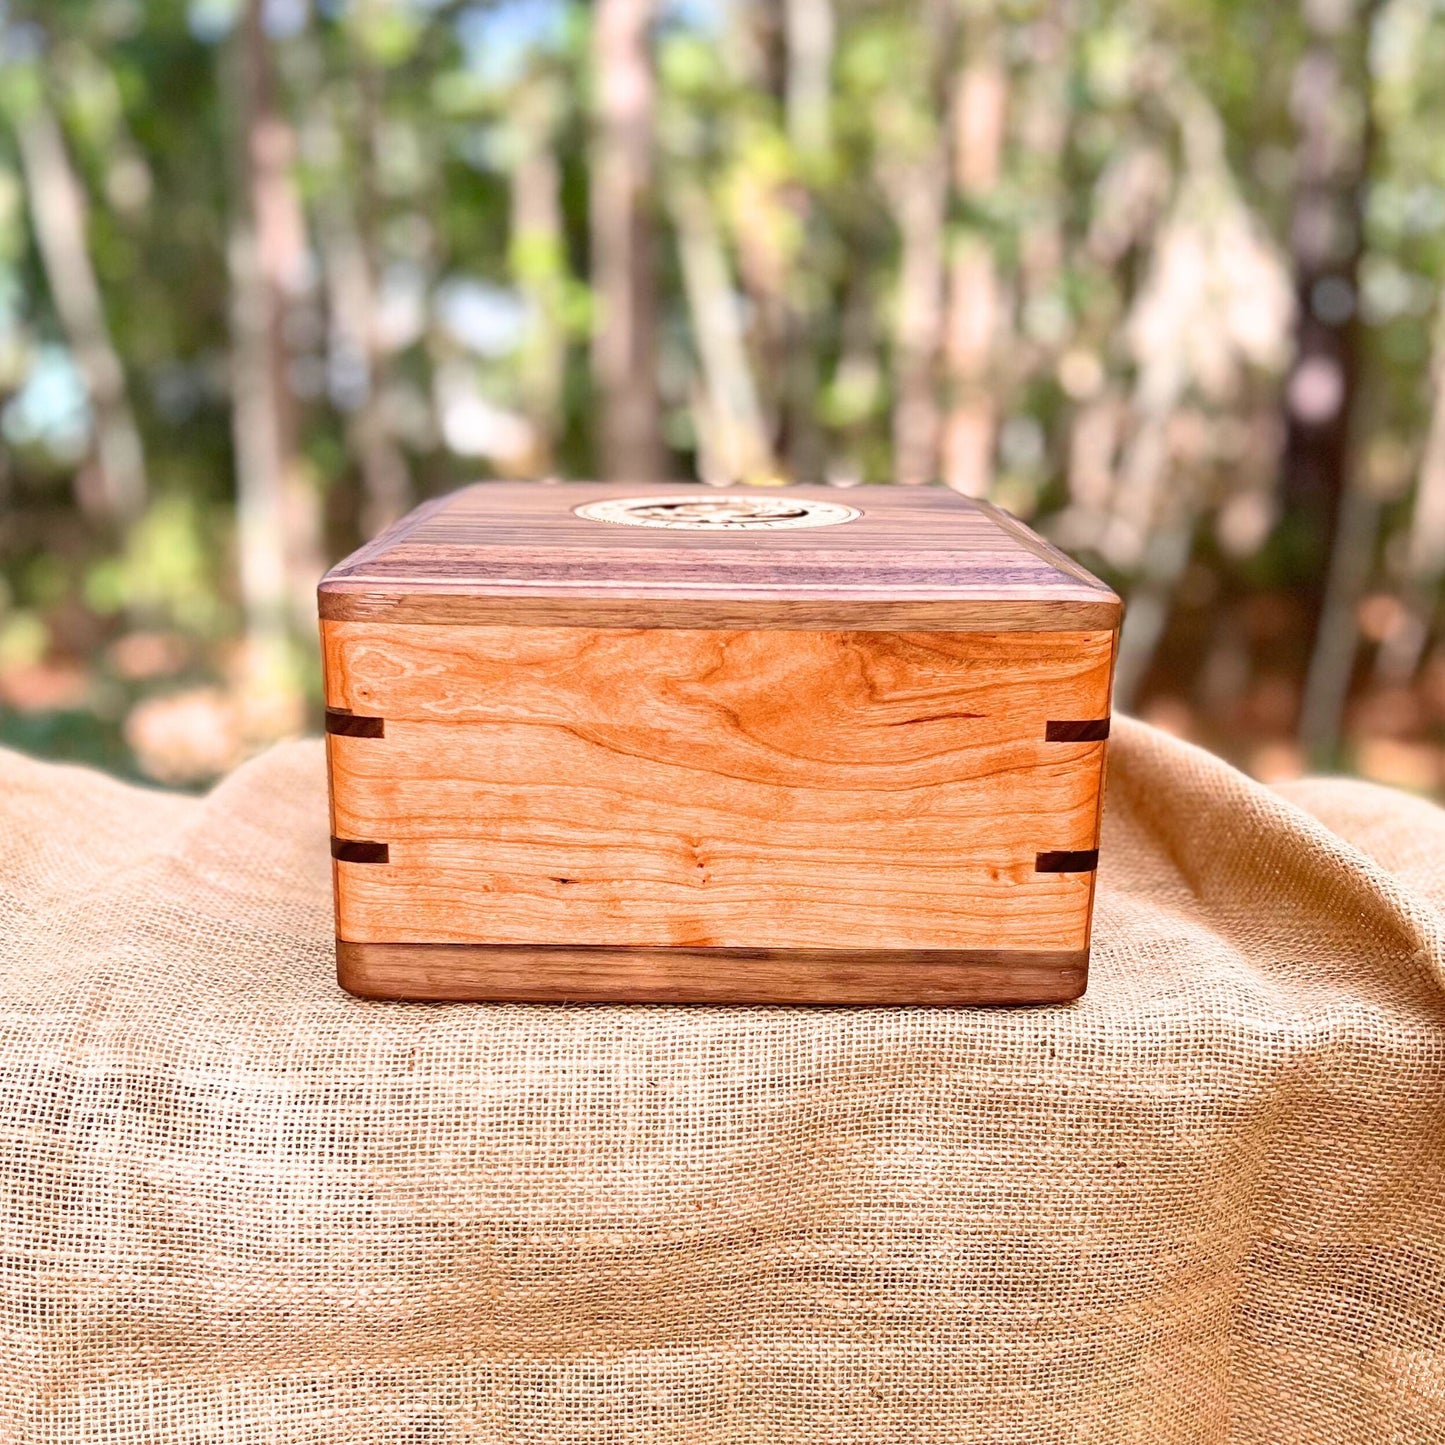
718, 514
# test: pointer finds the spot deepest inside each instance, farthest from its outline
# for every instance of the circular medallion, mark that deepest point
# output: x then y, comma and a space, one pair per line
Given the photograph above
718, 514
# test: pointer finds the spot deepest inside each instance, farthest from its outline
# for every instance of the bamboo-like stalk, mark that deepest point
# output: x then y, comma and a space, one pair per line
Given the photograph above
264, 251
537, 253
1332, 659
1151, 526
624, 341
1327, 243
811, 30
59, 210
919, 186
353, 341
739, 436
920, 205
385, 478
1400, 654
979, 112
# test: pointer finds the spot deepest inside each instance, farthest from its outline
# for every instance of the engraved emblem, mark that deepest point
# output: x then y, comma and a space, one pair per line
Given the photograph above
718, 514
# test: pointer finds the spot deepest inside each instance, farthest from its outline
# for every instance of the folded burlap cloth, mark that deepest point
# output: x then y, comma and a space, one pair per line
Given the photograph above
1206, 1203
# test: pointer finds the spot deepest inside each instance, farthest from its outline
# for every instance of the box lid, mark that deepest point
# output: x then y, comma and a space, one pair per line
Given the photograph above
580, 554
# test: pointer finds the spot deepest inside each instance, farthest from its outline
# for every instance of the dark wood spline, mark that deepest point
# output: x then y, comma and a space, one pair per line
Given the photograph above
1081, 730
341, 722
356, 850
1067, 860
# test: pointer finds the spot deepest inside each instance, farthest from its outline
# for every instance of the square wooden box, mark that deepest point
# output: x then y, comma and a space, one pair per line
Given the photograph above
682, 744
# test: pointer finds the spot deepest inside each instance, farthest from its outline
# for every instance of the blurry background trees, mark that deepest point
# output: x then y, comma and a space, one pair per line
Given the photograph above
1163, 277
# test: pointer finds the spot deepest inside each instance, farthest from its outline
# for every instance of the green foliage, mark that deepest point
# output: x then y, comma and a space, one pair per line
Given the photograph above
1135, 247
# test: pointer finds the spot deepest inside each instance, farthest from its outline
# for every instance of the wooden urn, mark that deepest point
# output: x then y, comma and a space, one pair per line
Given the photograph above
686, 744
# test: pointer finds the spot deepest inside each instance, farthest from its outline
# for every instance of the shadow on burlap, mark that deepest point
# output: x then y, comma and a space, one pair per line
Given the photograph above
1206, 1203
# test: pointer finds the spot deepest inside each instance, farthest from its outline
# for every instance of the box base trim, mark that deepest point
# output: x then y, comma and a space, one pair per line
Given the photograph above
526, 973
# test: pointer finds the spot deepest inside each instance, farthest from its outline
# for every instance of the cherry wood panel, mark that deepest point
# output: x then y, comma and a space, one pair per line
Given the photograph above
920, 558
881, 693
700, 788
680, 975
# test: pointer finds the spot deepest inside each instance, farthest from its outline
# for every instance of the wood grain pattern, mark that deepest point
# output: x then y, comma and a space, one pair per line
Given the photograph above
917, 559
678, 975
701, 788
578, 760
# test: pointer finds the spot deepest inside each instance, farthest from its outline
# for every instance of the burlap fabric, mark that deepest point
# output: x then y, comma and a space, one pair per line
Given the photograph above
1205, 1204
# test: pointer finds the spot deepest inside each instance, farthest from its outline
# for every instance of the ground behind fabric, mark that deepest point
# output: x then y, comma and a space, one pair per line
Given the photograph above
1204, 1204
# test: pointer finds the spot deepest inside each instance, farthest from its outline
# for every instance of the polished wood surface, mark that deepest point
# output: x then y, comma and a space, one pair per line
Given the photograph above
702, 788
582, 760
680, 975
919, 558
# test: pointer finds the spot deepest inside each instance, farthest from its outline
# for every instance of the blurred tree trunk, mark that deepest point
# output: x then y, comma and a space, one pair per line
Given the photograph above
1424, 569
265, 253
762, 200
624, 344
1337, 639
920, 203
58, 210
758, 39
1154, 512
1043, 139
979, 108
777, 314
788, 50
385, 479
538, 255
811, 28
857, 379
739, 445
1331, 88
811, 31
1427, 536
355, 356
920, 187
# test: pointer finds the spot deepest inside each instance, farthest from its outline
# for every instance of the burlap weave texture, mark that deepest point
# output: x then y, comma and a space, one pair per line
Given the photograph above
1204, 1204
